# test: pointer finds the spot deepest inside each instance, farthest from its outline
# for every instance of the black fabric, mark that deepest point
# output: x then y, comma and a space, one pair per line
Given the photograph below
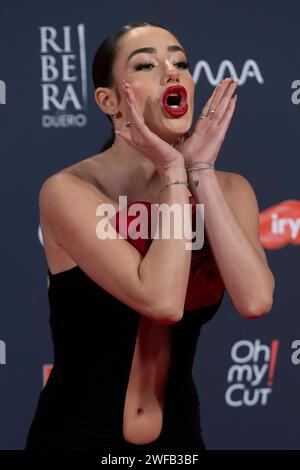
93, 333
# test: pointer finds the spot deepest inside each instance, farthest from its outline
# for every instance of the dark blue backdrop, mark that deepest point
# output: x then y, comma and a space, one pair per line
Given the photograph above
248, 393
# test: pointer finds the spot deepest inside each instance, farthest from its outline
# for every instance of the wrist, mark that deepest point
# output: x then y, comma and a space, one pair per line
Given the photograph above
196, 178
172, 173
192, 166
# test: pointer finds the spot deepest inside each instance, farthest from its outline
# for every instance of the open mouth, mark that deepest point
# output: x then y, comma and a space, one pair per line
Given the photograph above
174, 100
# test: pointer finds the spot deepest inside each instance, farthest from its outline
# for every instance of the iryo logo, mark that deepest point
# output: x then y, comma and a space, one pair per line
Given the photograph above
2, 352
64, 77
226, 68
2, 92
280, 225
254, 363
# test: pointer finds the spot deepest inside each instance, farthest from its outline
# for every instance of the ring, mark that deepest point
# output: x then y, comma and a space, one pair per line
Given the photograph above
201, 117
128, 124
212, 111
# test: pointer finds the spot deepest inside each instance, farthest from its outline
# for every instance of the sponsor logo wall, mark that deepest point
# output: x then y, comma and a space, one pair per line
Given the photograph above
245, 370
250, 377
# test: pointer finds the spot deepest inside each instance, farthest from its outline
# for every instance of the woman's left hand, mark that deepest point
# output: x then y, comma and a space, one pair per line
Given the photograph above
207, 137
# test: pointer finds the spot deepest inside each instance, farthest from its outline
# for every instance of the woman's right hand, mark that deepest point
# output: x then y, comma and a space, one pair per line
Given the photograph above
139, 136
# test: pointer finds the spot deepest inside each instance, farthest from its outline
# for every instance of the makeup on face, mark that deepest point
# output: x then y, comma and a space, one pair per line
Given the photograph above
174, 99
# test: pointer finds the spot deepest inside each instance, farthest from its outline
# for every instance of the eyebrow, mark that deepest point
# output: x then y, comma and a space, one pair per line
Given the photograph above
152, 50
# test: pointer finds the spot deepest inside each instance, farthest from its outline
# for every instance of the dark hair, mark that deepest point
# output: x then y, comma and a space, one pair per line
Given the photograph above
103, 63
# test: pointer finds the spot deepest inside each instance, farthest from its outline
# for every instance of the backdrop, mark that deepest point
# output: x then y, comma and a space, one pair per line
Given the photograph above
246, 371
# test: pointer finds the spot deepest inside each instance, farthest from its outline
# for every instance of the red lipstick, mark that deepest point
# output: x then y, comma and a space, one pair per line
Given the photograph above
183, 106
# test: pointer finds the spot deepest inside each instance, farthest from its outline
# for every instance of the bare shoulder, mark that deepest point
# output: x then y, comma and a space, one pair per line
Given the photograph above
67, 182
223, 176
235, 185
63, 191
237, 188
84, 173
228, 181
228, 177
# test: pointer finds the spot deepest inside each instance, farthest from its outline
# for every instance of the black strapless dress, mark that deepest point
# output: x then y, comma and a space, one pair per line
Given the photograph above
93, 333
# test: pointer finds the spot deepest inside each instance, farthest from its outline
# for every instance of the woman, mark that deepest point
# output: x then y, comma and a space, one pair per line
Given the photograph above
126, 313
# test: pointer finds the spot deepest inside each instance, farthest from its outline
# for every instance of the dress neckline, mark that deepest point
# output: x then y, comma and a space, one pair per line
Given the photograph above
76, 267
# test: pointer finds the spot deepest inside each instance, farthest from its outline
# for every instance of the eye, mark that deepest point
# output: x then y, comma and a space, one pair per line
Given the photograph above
184, 65
141, 66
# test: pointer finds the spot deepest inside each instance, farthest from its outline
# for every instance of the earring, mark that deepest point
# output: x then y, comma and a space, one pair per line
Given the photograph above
117, 115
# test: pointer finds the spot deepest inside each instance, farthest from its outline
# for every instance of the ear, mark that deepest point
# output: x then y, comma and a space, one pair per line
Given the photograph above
106, 100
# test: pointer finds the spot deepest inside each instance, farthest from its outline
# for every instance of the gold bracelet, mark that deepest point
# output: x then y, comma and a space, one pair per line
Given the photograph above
175, 182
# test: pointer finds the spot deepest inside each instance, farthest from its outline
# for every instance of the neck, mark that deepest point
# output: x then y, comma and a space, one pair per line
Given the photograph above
137, 168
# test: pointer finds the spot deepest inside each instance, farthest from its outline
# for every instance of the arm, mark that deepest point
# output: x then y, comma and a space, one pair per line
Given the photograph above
232, 229
166, 266
151, 285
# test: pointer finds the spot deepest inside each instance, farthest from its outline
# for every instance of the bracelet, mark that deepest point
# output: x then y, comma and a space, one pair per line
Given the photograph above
206, 163
211, 167
175, 182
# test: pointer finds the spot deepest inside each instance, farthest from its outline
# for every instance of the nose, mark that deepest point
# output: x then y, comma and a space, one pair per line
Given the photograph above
172, 73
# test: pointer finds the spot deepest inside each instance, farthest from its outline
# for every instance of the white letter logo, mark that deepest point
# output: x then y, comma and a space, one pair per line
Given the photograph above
2, 92
63, 76
226, 68
2, 352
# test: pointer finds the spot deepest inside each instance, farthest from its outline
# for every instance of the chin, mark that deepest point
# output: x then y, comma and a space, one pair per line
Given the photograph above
172, 136
172, 140
171, 130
